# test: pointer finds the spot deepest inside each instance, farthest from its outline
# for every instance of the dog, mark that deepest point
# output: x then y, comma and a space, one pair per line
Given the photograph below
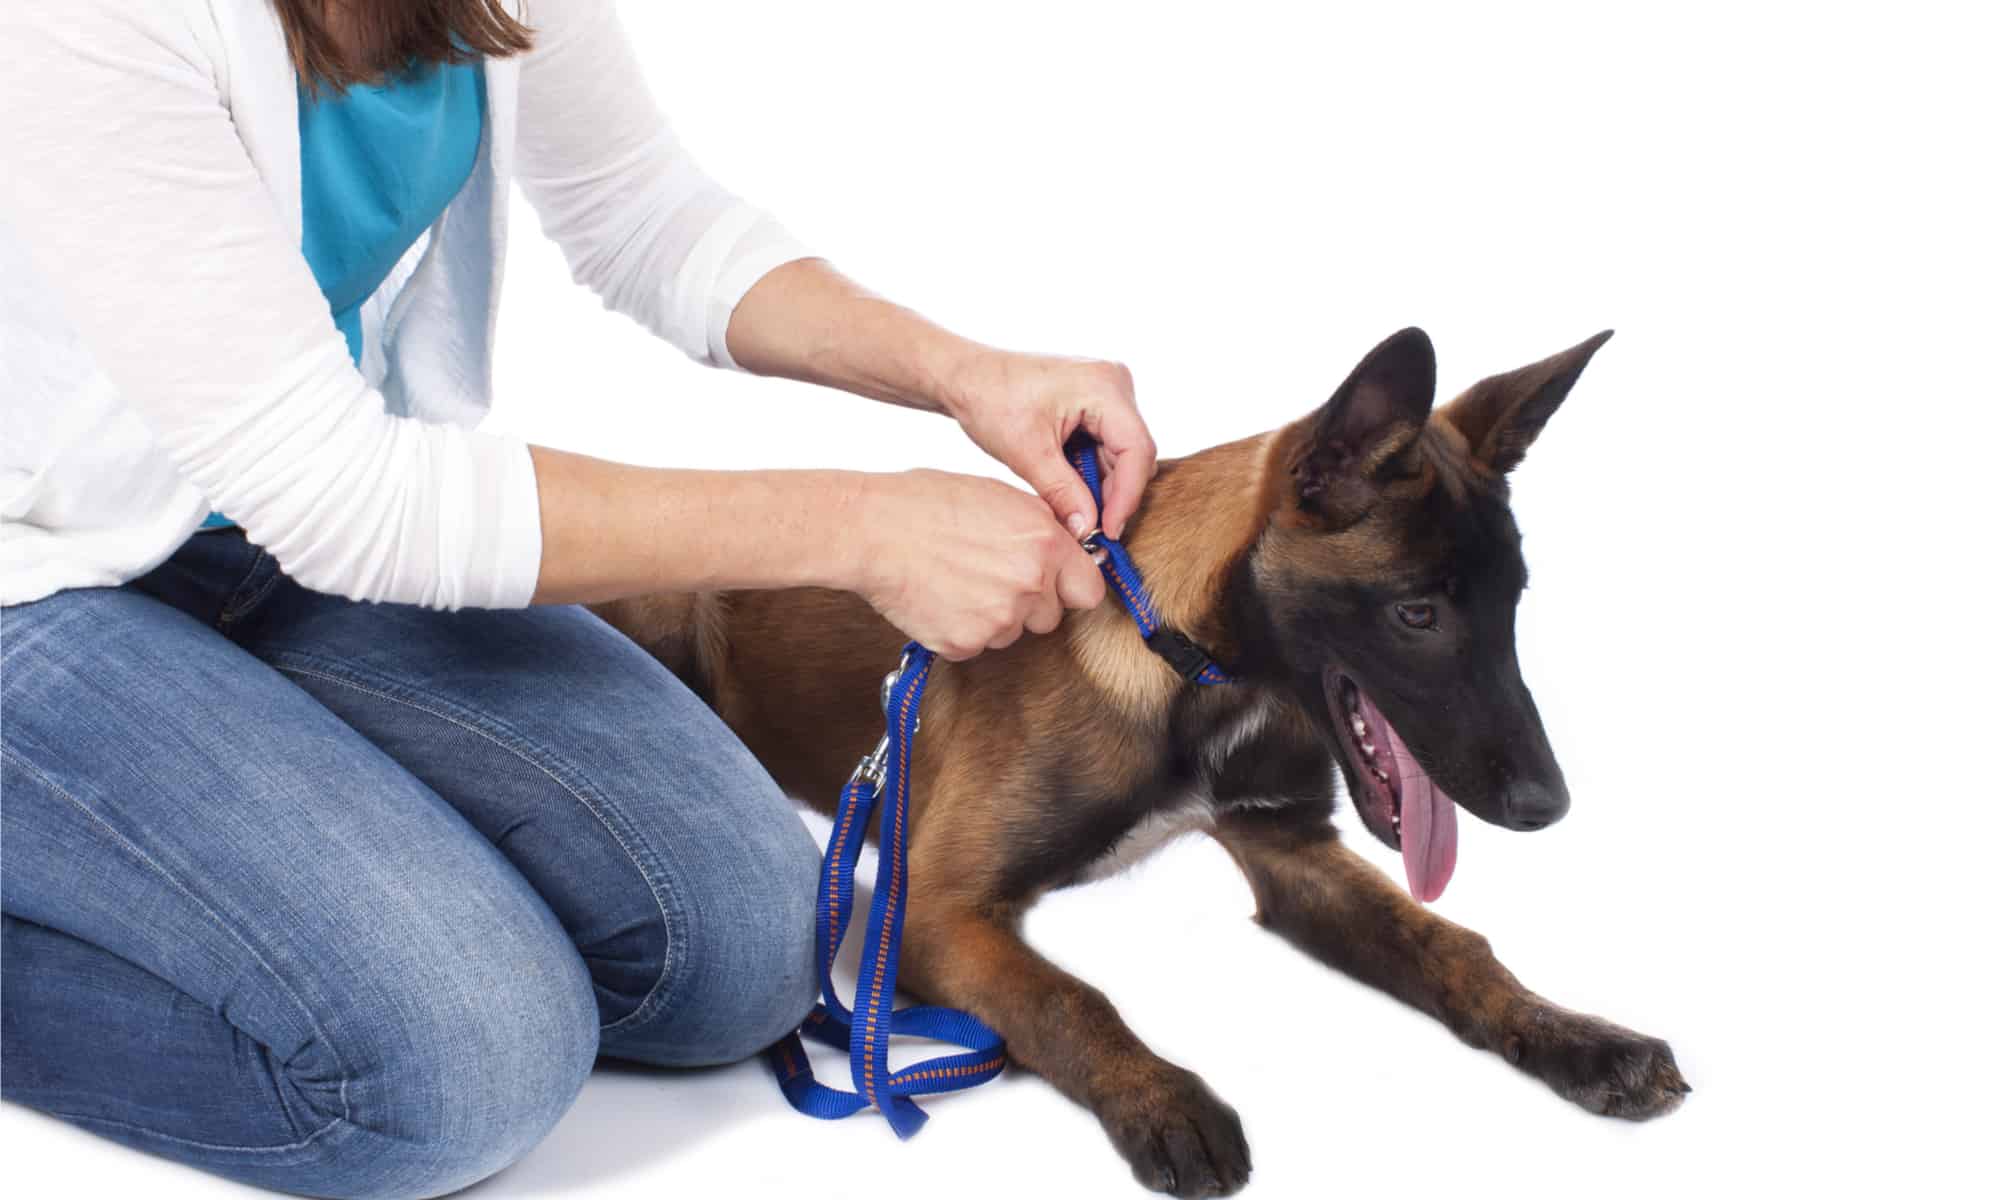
1357, 573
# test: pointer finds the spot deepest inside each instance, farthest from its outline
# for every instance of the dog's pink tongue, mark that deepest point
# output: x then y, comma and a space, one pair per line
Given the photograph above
1430, 825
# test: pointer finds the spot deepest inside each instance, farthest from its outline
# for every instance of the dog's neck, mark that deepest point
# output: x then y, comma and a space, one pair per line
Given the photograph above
1200, 515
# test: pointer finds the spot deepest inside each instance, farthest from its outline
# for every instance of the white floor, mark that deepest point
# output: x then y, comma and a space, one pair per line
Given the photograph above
1341, 1091
1760, 629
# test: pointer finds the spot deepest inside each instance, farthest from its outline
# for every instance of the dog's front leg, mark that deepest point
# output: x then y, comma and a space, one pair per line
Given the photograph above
1177, 1135
1330, 902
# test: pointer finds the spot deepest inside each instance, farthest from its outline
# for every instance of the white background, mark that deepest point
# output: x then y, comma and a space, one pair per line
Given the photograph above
1760, 625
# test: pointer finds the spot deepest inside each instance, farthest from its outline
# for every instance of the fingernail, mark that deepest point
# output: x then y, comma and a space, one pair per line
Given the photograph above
1078, 525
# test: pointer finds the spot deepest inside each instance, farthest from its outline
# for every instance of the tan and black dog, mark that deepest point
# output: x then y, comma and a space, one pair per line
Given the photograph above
1357, 573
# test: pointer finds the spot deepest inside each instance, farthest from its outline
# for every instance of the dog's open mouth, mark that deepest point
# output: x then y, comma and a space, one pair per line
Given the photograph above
1395, 797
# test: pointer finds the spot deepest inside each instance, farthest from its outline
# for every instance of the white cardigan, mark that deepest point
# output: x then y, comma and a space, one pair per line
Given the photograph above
164, 349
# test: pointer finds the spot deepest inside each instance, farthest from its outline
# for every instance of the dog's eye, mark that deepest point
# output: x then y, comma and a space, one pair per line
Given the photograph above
1417, 616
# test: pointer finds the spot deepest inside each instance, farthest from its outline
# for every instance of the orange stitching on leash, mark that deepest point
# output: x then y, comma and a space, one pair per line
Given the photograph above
895, 897
949, 1072
833, 876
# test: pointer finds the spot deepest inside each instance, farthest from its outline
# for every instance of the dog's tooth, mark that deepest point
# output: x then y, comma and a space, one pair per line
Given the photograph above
1359, 726
1368, 747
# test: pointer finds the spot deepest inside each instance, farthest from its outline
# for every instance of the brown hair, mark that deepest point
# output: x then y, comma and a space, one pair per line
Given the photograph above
392, 33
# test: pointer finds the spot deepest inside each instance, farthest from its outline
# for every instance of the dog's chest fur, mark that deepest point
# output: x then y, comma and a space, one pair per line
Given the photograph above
1252, 754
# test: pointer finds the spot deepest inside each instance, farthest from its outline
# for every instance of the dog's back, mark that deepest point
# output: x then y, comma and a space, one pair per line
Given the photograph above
793, 672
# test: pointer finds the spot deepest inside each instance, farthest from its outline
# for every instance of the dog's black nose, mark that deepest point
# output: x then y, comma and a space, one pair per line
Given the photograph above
1529, 805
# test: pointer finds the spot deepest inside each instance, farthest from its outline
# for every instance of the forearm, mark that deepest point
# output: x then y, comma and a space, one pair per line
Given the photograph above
804, 320
610, 530
807, 321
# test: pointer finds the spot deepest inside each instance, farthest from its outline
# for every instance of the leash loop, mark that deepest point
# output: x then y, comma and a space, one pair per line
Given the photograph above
882, 776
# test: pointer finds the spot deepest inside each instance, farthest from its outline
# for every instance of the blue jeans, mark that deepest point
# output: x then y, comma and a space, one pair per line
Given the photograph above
345, 899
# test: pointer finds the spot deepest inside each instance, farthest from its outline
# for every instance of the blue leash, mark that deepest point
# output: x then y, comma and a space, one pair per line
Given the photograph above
1182, 653
865, 1032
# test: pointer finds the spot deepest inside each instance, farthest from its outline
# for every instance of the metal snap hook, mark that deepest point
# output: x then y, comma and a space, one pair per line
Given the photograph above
872, 767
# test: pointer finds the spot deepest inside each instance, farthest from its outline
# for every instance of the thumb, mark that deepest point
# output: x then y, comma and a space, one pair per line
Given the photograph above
1062, 489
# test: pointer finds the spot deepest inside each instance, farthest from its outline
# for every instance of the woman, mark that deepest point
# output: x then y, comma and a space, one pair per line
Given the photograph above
339, 841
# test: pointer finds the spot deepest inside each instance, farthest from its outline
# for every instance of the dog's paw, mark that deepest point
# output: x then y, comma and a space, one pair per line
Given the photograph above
1180, 1138
1603, 1067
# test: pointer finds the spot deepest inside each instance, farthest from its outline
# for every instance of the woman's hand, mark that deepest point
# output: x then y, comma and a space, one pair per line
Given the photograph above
964, 564
1022, 408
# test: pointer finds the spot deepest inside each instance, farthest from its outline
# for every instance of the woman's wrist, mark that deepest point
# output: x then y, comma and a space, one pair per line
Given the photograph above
839, 552
957, 388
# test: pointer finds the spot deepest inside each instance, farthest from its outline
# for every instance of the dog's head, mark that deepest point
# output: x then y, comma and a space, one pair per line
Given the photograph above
1383, 589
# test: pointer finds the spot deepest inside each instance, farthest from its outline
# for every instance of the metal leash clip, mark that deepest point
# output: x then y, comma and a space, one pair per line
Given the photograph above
1093, 545
870, 769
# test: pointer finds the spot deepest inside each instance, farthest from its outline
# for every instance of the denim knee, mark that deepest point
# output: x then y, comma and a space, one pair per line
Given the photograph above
740, 974
468, 1065
780, 980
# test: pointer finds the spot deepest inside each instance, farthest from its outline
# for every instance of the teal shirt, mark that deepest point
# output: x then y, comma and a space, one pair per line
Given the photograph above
377, 166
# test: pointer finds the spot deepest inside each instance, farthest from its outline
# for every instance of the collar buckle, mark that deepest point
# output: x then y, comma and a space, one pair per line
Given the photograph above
1181, 652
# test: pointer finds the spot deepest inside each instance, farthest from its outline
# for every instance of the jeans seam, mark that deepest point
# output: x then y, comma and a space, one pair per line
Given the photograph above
529, 753
346, 1111
234, 610
302, 1143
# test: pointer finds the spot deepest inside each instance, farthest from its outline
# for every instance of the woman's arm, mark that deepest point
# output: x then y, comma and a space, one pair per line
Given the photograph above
806, 321
960, 563
127, 183
638, 220
647, 230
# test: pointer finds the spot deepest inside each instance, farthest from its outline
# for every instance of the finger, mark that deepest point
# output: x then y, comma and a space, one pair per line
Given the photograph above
956, 651
1133, 459
1061, 488
1079, 584
1005, 638
1045, 614
1125, 483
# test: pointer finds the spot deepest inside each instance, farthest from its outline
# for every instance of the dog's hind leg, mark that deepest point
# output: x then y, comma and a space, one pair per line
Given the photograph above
1177, 1135
1333, 904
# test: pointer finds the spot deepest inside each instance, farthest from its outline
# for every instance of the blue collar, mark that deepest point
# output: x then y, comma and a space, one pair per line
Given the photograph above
1180, 651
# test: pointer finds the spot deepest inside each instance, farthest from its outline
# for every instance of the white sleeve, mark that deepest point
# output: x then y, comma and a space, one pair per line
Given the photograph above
639, 222
125, 179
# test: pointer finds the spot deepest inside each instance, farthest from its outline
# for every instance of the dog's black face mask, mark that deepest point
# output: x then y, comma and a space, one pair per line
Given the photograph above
1384, 594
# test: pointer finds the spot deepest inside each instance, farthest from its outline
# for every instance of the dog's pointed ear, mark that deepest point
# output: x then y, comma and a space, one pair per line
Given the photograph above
1367, 431
1501, 416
